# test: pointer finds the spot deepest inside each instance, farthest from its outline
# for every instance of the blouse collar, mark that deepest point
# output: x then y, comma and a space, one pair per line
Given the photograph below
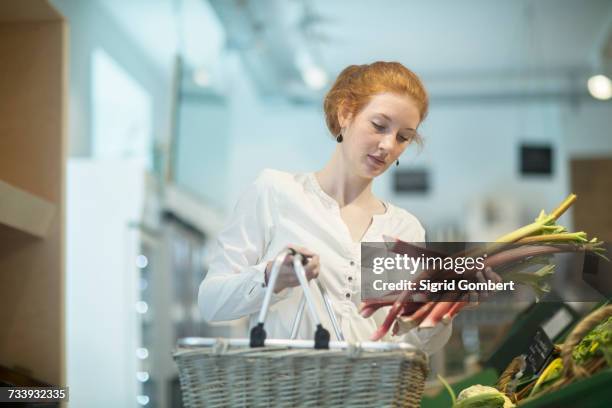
328, 200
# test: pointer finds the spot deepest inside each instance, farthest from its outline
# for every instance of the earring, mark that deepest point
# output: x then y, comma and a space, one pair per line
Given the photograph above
339, 138
396, 163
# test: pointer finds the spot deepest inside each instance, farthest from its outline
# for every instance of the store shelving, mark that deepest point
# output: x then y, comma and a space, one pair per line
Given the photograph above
33, 79
24, 211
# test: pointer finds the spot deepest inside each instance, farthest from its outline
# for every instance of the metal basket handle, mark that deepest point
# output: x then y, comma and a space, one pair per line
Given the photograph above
328, 307
258, 334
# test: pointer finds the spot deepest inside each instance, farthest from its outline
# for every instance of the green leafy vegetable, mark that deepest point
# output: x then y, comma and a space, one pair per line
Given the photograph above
597, 342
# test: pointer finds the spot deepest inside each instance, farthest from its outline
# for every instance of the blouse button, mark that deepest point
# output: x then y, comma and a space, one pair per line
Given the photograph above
348, 295
350, 278
352, 263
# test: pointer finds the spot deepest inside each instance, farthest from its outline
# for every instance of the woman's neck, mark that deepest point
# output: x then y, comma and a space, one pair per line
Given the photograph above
343, 186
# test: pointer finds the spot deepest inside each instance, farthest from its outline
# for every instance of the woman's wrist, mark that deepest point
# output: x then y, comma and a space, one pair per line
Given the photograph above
267, 273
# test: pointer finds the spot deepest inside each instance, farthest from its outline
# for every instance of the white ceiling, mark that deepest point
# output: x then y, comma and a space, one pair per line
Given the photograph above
448, 36
441, 39
164, 27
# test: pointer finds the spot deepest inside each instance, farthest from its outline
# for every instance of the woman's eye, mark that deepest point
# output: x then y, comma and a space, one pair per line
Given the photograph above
407, 136
377, 126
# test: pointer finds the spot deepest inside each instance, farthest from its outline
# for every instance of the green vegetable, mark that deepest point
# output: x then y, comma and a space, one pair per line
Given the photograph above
551, 373
484, 400
597, 342
482, 396
448, 388
543, 223
538, 280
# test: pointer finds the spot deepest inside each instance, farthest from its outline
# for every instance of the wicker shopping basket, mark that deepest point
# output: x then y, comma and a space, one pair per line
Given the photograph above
260, 372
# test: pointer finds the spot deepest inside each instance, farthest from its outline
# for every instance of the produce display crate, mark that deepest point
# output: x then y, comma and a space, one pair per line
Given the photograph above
592, 392
585, 389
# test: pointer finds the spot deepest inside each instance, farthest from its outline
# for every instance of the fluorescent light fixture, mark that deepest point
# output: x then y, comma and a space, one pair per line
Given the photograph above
314, 77
201, 77
600, 87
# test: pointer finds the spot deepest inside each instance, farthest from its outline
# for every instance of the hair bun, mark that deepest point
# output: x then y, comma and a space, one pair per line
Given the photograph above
356, 84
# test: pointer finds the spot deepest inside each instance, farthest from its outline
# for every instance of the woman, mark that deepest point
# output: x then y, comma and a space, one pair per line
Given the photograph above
373, 111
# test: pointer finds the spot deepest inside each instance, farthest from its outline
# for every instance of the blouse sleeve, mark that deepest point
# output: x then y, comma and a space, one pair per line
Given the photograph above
430, 340
234, 285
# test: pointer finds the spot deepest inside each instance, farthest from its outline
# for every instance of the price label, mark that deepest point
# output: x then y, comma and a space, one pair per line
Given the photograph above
538, 352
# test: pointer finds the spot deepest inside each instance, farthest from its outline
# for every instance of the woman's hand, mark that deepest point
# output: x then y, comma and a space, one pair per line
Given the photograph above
431, 314
286, 276
483, 276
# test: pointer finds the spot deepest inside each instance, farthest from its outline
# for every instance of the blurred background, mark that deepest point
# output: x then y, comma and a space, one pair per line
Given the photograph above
174, 106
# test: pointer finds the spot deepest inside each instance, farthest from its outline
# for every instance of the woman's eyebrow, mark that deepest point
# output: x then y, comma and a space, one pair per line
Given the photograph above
389, 119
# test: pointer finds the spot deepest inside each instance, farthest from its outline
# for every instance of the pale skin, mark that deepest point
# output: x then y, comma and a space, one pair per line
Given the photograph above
373, 139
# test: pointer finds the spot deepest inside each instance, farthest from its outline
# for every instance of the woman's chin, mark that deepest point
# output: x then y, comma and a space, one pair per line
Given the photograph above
372, 172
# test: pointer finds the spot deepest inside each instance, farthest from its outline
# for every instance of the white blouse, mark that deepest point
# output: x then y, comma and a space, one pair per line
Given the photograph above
279, 209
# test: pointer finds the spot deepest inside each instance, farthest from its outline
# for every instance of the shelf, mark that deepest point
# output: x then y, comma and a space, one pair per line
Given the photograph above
33, 36
27, 11
24, 211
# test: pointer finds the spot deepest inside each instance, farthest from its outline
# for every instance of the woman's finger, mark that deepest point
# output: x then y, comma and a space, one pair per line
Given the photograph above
472, 300
302, 250
480, 277
288, 260
311, 267
312, 263
483, 294
291, 281
312, 274
492, 275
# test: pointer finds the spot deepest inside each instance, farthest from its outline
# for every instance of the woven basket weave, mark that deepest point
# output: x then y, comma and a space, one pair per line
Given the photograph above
256, 372
285, 377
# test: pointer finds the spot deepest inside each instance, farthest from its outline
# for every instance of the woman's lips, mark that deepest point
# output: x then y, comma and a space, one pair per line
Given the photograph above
375, 161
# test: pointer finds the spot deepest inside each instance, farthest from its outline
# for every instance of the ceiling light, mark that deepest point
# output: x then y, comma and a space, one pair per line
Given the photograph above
314, 77
600, 87
201, 77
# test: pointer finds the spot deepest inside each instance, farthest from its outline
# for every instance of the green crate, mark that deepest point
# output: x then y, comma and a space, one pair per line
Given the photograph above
592, 392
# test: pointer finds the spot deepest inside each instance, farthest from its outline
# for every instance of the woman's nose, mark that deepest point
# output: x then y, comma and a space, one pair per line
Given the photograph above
387, 142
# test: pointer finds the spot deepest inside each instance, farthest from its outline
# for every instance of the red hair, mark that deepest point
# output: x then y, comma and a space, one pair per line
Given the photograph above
356, 84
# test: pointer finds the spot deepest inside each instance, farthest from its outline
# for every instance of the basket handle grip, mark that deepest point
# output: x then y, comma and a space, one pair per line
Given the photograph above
258, 333
328, 307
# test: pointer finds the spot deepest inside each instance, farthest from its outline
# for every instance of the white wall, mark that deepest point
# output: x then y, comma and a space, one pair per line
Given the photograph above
588, 130
270, 134
101, 282
471, 150
91, 27
202, 148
